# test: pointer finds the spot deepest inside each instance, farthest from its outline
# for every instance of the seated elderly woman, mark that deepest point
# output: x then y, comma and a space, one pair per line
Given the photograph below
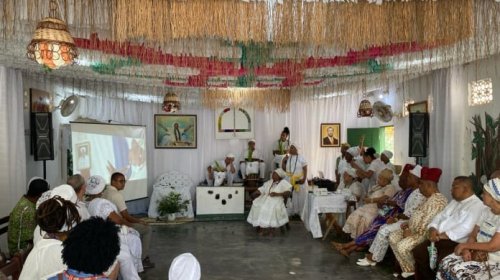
84, 254
268, 209
130, 242
359, 221
479, 257
388, 209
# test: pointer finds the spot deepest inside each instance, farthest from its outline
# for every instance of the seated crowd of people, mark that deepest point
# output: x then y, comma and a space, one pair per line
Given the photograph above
430, 237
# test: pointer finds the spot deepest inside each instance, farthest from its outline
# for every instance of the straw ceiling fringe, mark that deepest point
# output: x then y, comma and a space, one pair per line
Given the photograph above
345, 25
259, 99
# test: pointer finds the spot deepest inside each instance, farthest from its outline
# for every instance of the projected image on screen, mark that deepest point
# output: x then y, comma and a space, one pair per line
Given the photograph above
100, 149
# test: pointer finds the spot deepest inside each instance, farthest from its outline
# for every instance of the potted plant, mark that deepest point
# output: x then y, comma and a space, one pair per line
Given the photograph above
171, 204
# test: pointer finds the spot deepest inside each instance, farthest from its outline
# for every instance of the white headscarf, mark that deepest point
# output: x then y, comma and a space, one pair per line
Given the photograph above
351, 172
64, 191
493, 188
280, 173
95, 185
252, 140
297, 146
230, 155
417, 171
388, 154
184, 267
353, 151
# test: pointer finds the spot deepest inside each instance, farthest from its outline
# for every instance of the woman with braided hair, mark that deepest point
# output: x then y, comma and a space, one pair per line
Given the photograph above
56, 217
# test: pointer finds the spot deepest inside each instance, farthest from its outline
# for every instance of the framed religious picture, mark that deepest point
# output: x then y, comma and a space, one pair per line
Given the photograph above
40, 101
175, 132
419, 107
330, 135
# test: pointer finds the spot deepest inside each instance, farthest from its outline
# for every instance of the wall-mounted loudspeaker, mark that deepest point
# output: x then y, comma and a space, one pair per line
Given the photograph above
41, 132
419, 134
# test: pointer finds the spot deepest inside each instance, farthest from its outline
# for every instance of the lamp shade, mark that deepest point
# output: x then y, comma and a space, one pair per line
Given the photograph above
171, 103
365, 109
52, 45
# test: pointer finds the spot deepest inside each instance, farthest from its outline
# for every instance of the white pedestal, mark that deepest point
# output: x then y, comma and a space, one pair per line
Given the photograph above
220, 202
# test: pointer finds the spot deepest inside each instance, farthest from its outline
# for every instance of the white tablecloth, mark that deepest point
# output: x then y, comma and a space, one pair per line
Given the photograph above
314, 205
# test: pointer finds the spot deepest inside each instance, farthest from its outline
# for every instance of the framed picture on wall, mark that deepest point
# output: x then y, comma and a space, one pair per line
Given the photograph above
419, 107
40, 101
330, 135
175, 132
234, 123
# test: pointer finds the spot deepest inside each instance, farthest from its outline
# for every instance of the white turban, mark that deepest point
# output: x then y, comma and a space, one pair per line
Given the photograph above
64, 191
230, 155
493, 188
353, 151
184, 267
280, 173
388, 154
95, 185
297, 146
351, 172
417, 171
251, 140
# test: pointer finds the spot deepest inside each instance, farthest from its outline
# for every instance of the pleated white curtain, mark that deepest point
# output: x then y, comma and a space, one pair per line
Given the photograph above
12, 148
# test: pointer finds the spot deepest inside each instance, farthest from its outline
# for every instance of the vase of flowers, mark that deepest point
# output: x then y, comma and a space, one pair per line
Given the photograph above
171, 204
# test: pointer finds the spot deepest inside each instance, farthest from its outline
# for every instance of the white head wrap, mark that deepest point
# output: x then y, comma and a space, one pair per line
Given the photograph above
417, 171
230, 155
280, 173
297, 146
388, 154
184, 267
493, 188
351, 172
252, 140
353, 151
64, 191
95, 185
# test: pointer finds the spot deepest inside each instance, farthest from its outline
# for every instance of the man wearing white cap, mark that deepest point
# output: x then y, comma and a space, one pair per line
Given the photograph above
252, 162
220, 170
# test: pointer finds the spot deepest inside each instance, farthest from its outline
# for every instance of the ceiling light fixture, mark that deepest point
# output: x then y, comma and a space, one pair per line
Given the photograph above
52, 44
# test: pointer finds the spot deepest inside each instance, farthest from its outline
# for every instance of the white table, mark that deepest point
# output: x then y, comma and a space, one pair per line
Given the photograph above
315, 204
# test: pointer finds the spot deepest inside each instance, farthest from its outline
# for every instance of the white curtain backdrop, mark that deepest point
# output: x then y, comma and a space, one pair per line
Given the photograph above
12, 151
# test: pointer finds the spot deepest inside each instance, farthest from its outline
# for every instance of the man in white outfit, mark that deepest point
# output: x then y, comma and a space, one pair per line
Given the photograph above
252, 162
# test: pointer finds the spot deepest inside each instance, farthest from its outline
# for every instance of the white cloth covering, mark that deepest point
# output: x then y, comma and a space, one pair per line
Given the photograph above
130, 242
227, 174
184, 267
458, 218
43, 261
267, 211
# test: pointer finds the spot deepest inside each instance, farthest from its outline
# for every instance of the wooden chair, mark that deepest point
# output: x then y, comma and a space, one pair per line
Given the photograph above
13, 268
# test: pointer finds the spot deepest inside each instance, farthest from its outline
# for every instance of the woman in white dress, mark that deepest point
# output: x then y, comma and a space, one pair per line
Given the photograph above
129, 257
295, 166
56, 217
268, 209
281, 148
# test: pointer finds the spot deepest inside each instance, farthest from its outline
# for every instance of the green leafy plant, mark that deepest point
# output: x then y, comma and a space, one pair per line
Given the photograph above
485, 148
172, 203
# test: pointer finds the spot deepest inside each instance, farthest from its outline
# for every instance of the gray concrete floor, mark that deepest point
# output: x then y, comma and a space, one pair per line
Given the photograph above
232, 250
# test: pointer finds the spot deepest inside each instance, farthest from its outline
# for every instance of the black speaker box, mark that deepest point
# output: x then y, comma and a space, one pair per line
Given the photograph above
41, 136
419, 134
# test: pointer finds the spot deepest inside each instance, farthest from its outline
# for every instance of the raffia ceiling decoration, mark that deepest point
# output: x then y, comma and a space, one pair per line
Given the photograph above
260, 99
308, 47
347, 26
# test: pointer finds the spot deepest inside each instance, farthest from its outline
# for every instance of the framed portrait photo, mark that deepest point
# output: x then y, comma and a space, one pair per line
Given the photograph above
419, 107
40, 101
330, 135
175, 132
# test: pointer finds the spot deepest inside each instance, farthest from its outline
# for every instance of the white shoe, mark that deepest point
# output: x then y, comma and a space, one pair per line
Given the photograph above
362, 260
366, 263
407, 274
396, 275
